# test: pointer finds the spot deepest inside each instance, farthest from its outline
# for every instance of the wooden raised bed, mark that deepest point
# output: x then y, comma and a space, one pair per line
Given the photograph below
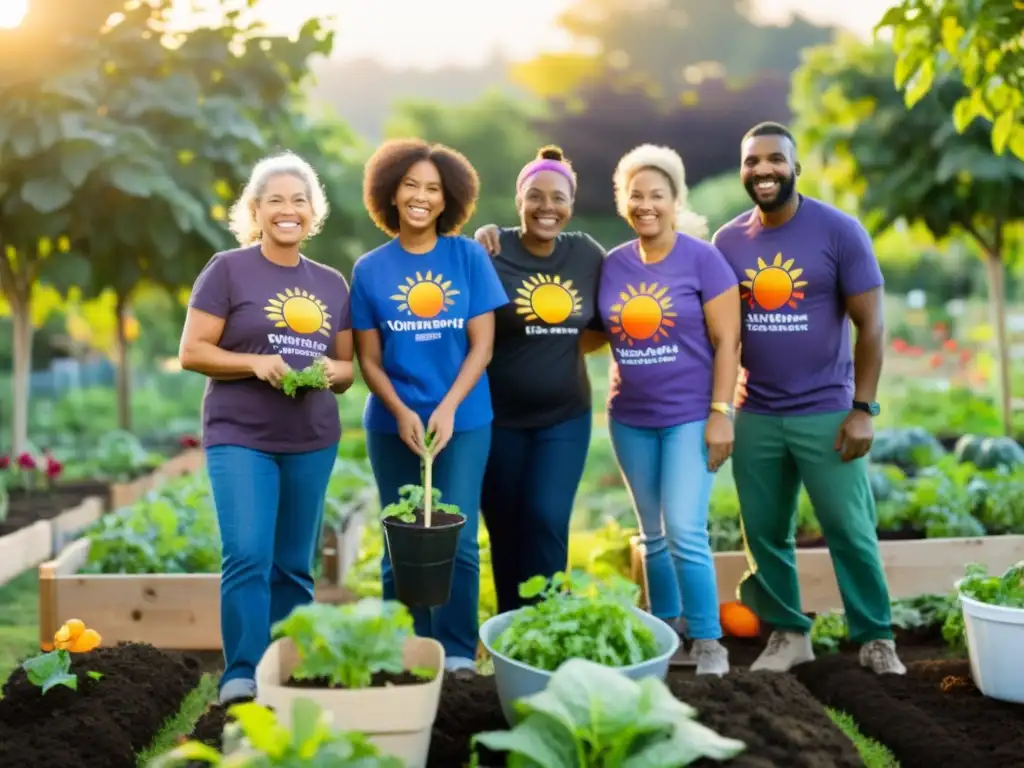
25, 548
126, 494
69, 525
913, 568
179, 611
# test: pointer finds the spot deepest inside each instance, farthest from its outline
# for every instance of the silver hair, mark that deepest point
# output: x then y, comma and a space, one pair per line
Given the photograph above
670, 163
242, 219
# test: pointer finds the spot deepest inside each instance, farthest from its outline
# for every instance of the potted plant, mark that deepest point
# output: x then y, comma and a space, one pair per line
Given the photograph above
362, 663
591, 715
993, 617
576, 617
257, 739
422, 537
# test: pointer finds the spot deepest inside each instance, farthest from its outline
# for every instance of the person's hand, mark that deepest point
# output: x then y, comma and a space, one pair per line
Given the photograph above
410, 429
718, 434
339, 373
489, 237
855, 436
441, 427
270, 368
740, 395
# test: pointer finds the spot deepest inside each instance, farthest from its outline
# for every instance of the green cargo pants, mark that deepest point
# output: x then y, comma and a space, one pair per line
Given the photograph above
771, 457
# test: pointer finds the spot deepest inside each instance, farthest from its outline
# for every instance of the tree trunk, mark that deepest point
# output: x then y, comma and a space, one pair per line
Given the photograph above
21, 317
124, 394
997, 297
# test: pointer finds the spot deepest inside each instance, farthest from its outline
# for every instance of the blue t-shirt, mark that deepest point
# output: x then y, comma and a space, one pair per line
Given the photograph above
420, 304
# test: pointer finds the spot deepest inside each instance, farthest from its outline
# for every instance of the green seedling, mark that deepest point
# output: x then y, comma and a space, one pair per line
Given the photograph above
313, 376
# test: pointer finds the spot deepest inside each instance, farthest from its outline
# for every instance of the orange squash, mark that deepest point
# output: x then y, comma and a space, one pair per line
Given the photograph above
738, 620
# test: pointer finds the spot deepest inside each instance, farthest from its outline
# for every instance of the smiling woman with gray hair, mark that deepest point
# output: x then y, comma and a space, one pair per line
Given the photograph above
670, 305
255, 313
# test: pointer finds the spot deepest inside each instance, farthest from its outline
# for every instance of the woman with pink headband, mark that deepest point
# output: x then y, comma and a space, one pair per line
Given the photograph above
540, 390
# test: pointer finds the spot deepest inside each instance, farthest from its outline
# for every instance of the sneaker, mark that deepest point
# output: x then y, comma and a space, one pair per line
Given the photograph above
784, 651
880, 657
237, 691
711, 656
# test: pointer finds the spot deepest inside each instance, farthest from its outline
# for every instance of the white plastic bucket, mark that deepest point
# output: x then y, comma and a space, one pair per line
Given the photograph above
995, 638
516, 680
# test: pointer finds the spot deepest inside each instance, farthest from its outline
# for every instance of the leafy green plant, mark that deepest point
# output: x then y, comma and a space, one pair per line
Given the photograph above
345, 645
410, 504
257, 739
313, 376
48, 670
828, 631
1006, 591
590, 715
577, 617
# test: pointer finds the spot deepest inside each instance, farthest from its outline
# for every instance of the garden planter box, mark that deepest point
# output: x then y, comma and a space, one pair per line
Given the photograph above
126, 494
25, 549
398, 718
178, 611
912, 568
516, 680
995, 637
68, 526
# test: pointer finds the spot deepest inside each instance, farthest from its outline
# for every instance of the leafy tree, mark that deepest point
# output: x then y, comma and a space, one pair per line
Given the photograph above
912, 165
666, 46
982, 42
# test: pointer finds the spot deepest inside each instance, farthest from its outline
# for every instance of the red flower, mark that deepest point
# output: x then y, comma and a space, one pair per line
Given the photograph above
53, 467
950, 345
936, 361
188, 441
5, 462
899, 345
26, 461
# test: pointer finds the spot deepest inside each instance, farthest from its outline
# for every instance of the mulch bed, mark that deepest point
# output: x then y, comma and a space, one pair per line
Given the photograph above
105, 722
43, 504
932, 718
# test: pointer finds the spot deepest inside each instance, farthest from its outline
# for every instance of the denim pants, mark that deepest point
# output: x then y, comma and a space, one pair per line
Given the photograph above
529, 489
666, 472
458, 473
270, 509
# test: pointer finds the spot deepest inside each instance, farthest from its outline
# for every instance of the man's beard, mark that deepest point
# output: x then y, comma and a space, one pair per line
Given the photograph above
787, 188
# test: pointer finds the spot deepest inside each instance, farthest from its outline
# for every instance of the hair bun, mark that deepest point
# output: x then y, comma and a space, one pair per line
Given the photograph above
551, 152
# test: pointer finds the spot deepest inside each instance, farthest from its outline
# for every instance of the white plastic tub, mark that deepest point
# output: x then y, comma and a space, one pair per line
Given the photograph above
995, 638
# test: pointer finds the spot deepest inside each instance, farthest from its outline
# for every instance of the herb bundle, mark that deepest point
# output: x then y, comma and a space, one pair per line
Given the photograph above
313, 376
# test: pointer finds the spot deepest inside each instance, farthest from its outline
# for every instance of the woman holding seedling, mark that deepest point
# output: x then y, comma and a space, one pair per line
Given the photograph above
258, 315
538, 376
423, 314
670, 304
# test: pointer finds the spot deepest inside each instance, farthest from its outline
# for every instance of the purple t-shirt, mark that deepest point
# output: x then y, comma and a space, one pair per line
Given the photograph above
662, 358
295, 312
794, 281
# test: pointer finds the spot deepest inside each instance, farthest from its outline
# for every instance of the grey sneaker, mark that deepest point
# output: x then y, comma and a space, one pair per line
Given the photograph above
236, 691
784, 651
711, 656
880, 657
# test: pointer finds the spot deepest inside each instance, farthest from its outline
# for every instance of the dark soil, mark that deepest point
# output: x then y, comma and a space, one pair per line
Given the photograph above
781, 723
105, 722
43, 504
379, 680
437, 520
932, 718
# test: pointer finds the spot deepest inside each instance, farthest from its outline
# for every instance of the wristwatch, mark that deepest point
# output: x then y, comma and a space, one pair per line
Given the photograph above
872, 409
723, 408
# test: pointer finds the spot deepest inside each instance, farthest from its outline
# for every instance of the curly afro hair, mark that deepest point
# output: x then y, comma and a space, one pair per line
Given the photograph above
391, 162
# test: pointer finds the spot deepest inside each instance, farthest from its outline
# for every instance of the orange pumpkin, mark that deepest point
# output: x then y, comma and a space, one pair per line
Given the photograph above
738, 620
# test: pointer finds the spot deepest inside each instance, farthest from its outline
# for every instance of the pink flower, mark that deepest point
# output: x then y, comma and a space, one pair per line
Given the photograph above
53, 467
26, 461
5, 462
188, 441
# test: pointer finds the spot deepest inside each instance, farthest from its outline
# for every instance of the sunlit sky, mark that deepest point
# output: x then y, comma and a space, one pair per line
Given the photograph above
433, 33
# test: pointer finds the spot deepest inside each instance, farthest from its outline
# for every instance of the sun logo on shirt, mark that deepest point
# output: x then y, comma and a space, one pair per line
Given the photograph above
547, 298
425, 296
773, 286
299, 311
642, 314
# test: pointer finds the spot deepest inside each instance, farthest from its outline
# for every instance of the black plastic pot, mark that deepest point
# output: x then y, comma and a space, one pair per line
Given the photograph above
423, 559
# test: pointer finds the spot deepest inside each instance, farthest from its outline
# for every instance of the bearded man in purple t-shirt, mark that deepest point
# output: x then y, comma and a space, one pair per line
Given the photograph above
806, 270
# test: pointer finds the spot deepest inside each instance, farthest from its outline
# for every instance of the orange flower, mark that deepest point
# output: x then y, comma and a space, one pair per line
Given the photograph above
74, 637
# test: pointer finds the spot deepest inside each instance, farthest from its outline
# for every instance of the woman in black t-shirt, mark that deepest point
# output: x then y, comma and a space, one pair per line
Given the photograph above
540, 390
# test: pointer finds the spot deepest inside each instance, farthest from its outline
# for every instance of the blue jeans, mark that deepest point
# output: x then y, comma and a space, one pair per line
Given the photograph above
529, 489
270, 510
458, 473
667, 474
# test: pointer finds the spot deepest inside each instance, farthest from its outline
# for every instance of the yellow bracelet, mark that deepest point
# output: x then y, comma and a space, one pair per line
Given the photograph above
724, 408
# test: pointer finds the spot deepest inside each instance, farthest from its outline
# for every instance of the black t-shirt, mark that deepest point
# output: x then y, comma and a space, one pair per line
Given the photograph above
538, 376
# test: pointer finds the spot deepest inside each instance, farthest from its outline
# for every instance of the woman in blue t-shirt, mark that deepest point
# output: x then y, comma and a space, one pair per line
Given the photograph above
423, 315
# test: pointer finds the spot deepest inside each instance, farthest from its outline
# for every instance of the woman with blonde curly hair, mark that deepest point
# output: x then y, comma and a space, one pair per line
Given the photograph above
670, 304
255, 313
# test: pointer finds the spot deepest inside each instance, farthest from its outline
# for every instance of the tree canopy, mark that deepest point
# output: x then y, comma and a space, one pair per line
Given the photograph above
982, 42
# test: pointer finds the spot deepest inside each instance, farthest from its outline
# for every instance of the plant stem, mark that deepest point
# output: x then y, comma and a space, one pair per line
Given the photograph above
428, 482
